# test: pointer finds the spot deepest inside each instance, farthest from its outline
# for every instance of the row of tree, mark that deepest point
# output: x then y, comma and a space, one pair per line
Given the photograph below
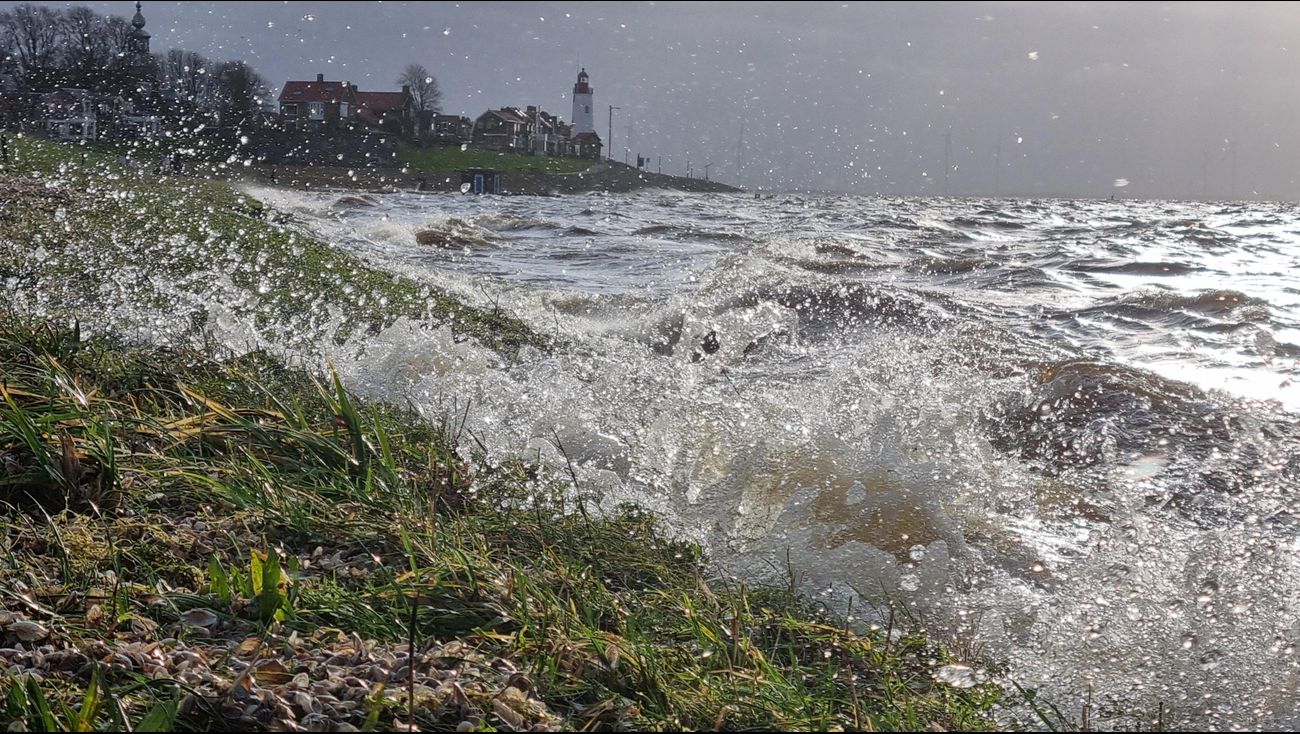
43, 48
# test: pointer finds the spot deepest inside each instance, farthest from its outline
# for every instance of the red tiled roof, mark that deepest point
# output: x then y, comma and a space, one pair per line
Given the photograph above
314, 92
587, 137
381, 101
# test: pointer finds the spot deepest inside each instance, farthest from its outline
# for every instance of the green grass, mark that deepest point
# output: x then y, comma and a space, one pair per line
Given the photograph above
263, 524
453, 158
202, 544
91, 235
214, 148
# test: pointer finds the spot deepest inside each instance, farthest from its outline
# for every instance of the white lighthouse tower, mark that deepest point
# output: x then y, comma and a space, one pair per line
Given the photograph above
584, 120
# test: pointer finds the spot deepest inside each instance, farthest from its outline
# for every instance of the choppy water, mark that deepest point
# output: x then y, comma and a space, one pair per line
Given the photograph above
1061, 430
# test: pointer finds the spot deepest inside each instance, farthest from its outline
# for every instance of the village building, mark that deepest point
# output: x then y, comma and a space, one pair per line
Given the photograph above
317, 105
327, 105
544, 133
306, 105
505, 130
82, 114
133, 125
393, 112
451, 130
586, 145
70, 114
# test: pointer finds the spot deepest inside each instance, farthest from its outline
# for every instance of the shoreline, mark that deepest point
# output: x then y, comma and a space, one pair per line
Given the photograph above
601, 177
271, 552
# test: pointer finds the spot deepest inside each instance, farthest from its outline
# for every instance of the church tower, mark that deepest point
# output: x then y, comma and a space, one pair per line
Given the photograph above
140, 80
584, 120
137, 40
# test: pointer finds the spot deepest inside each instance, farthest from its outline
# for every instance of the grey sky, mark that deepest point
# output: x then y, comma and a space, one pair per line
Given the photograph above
854, 97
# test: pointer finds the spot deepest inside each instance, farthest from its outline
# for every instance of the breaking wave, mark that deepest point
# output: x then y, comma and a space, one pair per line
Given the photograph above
1063, 430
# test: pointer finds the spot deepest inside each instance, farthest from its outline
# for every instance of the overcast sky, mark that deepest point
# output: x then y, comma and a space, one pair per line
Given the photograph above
858, 97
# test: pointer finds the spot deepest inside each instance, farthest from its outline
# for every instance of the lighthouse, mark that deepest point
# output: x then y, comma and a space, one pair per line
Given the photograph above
583, 118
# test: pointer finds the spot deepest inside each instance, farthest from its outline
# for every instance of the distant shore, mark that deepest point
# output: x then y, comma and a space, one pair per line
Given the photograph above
602, 176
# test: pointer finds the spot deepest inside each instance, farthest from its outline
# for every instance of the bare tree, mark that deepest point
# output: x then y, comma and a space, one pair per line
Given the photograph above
86, 48
190, 75
8, 53
240, 91
424, 88
33, 32
117, 30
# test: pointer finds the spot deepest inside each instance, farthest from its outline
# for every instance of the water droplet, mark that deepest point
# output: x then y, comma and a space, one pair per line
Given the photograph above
959, 676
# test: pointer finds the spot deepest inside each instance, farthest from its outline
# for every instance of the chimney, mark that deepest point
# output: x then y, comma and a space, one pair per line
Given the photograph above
532, 108
320, 78
406, 89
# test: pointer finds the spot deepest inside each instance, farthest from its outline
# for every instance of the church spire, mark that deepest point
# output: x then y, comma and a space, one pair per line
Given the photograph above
138, 38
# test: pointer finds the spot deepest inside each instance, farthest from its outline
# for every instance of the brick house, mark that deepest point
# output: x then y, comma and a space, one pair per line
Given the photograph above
505, 129
586, 145
318, 104
394, 112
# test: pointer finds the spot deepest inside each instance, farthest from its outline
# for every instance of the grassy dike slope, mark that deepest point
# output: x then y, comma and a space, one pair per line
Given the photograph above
82, 234
240, 545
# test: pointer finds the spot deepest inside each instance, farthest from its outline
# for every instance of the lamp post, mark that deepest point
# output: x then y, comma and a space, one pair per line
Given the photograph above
610, 143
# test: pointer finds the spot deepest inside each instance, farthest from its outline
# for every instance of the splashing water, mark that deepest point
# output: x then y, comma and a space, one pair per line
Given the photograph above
1062, 432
